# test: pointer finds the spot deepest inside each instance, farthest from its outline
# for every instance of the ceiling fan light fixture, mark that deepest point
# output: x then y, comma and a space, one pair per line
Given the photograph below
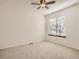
43, 5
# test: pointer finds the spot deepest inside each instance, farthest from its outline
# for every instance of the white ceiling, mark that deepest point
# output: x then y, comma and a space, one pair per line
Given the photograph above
64, 4
26, 5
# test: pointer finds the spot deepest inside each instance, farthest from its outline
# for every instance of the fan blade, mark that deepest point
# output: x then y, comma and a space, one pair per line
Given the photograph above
39, 7
46, 7
51, 2
35, 3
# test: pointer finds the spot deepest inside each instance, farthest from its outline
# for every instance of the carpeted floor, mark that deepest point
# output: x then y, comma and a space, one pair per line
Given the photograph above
41, 50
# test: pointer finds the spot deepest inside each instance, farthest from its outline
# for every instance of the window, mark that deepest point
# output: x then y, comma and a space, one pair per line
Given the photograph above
56, 26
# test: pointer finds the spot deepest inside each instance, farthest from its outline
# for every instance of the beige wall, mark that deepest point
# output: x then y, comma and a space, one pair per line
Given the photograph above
71, 25
20, 26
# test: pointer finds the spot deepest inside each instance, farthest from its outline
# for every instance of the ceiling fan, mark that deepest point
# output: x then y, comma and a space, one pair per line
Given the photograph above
43, 4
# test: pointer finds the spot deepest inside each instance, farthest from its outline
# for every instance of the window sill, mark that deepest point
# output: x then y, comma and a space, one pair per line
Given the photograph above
57, 36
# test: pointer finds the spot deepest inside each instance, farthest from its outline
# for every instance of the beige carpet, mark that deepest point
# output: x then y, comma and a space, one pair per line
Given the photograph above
41, 50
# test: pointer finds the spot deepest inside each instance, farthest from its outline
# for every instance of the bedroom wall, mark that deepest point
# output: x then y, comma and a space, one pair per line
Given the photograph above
19, 24
71, 25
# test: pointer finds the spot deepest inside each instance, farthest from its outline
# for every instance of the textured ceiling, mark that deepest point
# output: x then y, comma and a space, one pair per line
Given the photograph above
23, 3
26, 5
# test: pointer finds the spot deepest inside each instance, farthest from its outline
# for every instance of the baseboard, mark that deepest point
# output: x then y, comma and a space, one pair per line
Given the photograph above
62, 45
15, 45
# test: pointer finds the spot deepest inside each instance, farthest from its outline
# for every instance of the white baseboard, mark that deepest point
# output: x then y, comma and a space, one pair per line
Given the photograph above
23, 43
